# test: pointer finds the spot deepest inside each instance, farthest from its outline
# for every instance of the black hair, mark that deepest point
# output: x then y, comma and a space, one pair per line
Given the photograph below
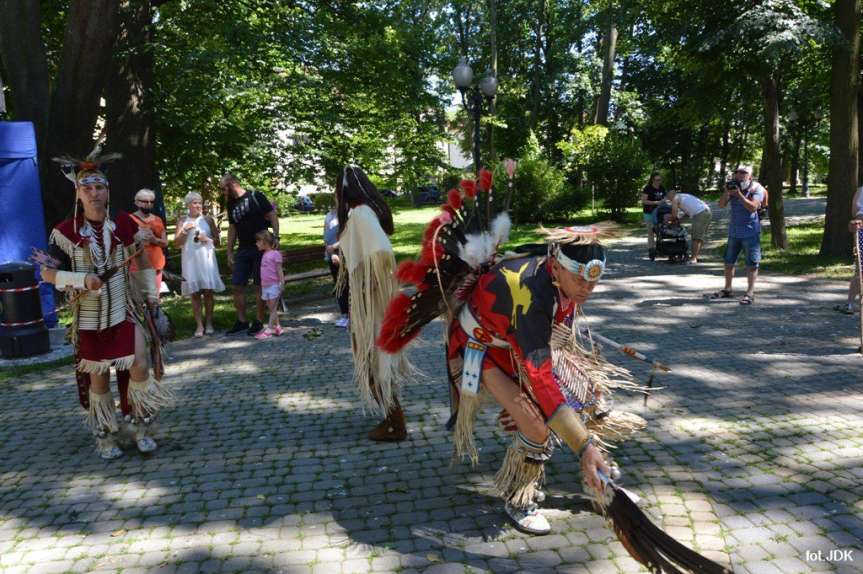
583, 252
652, 175
353, 188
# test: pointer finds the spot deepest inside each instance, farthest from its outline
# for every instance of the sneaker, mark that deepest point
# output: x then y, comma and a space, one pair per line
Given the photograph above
278, 331
107, 448
146, 444
528, 520
255, 327
238, 327
342, 322
264, 334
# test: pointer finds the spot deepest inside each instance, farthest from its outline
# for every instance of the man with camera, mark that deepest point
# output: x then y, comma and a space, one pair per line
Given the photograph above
744, 197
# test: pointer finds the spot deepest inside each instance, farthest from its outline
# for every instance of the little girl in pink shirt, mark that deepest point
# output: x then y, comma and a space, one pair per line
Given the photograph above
272, 280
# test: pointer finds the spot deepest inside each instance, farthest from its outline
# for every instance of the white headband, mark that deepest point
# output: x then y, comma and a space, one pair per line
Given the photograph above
590, 271
93, 179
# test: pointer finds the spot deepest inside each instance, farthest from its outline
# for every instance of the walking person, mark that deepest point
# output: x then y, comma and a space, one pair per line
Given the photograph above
249, 212
651, 196
331, 256
198, 236
272, 281
698, 213
744, 196
153, 231
365, 224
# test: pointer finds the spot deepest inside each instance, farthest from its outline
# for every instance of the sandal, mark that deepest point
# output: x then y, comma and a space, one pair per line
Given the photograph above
199, 334
722, 294
747, 300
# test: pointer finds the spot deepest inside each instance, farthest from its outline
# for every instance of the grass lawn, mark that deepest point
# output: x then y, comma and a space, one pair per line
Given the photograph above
801, 257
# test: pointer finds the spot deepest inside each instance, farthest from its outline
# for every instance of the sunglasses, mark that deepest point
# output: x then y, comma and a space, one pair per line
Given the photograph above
150, 201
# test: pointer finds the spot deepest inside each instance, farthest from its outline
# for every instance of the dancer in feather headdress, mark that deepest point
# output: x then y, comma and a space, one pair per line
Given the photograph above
365, 224
513, 333
89, 259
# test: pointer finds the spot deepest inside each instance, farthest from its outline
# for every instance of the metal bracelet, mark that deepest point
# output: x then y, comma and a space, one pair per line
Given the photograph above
588, 442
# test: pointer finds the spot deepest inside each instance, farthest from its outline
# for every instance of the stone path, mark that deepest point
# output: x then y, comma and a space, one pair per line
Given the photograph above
753, 454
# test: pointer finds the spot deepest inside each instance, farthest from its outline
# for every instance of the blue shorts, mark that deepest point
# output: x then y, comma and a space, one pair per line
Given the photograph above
648, 218
247, 264
751, 246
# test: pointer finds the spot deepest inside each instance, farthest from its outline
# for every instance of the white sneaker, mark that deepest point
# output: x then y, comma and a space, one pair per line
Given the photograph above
146, 444
528, 520
539, 496
107, 448
342, 322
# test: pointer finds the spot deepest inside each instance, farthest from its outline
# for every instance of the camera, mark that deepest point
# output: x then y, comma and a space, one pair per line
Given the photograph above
732, 184
197, 235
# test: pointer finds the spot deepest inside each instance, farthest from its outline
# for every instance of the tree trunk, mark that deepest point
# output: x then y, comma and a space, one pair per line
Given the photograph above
492, 18
771, 177
609, 44
91, 28
23, 54
723, 160
844, 144
795, 159
535, 88
129, 113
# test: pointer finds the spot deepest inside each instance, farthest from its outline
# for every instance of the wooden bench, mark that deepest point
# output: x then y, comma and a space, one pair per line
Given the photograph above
304, 255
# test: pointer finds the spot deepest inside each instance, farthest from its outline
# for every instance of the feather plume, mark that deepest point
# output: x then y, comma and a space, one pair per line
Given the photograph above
485, 179
646, 542
469, 187
454, 199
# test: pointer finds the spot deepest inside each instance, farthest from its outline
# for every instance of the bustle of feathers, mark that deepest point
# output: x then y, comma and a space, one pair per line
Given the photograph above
469, 187
454, 199
449, 262
485, 179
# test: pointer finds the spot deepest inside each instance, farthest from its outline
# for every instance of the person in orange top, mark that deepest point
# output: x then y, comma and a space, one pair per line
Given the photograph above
154, 232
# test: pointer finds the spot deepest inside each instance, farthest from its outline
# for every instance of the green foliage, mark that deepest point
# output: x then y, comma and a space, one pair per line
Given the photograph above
540, 190
322, 201
614, 161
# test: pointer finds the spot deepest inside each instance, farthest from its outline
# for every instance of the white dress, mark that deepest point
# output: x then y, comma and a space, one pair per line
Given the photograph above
200, 268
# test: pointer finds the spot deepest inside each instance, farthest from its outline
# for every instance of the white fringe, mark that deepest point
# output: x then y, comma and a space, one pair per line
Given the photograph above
148, 397
518, 478
101, 416
61, 241
104, 366
378, 375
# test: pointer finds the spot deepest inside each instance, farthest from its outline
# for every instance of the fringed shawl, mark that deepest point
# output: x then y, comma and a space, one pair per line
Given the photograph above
369, 269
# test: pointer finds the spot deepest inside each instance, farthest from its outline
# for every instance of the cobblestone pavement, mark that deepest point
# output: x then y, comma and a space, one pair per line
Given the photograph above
753, 454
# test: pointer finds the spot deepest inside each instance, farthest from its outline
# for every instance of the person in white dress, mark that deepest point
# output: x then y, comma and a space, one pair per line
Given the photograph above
198, 236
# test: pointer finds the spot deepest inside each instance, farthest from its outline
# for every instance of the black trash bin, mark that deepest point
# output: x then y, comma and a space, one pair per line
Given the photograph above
22, 329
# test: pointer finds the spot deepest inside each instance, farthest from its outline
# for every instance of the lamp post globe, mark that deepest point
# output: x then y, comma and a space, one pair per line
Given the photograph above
488, 85
462, 75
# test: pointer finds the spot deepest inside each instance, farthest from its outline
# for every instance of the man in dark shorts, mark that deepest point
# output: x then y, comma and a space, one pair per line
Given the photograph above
248, 213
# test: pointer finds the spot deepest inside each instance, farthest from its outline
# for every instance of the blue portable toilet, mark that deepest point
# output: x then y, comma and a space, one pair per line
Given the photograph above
22, 219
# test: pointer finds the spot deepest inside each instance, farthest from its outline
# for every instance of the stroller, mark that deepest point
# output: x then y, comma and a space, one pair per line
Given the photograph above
671, 237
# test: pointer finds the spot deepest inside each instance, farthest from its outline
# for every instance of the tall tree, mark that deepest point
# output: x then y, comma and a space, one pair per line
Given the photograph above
64, 116
844, 143
609, 48
129, 114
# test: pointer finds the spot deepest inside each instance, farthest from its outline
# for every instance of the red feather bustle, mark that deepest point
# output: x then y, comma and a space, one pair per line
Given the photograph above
412, 272
485, 179
396, 317
469, 187
454, 199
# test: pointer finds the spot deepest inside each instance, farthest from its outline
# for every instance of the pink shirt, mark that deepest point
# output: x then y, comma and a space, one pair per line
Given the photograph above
271, 262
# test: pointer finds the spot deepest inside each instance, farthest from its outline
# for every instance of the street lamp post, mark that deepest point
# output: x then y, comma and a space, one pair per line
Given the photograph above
474, 98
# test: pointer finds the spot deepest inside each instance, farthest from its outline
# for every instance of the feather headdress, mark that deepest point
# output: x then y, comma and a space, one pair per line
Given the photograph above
75, 169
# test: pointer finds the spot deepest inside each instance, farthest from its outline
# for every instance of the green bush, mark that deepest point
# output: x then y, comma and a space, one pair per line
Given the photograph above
540, 191
322, 201
614, 161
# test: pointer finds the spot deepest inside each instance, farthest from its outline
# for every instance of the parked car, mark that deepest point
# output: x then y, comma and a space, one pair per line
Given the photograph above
389, 193
304, 203
428, 194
